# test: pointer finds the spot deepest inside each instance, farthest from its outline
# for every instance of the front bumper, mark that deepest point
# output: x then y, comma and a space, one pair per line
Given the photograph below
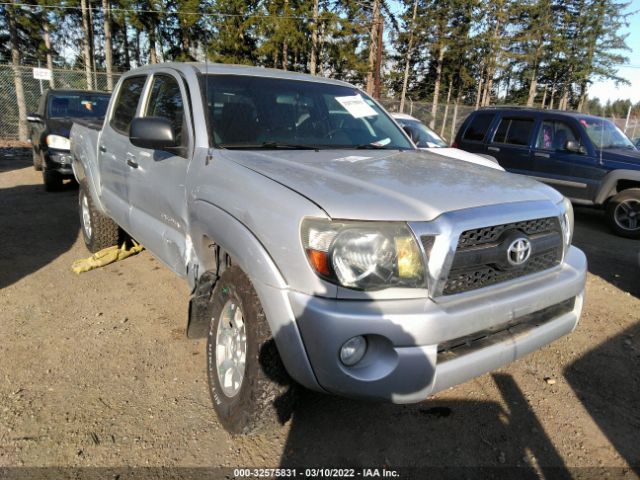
402, 363
58, 161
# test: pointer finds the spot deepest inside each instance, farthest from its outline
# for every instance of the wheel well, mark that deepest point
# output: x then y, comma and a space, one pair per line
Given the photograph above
626, 184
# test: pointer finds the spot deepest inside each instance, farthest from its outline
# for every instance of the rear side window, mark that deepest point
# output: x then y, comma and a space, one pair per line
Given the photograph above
478, 127
126, 104
514, 131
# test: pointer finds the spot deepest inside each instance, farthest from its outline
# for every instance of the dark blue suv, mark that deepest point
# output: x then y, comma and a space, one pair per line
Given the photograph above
586, 158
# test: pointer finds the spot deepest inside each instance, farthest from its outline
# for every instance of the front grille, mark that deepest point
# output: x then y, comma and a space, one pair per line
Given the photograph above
480, 257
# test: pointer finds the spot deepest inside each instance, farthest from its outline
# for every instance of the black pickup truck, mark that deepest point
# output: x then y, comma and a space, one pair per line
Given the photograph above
588, 159
50, 126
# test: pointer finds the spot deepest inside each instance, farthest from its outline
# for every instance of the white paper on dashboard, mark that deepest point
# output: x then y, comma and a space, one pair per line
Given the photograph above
356, 106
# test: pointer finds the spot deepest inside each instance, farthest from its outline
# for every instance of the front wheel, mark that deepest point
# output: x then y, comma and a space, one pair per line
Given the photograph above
623, 213
249, 385
98, 230
52, 181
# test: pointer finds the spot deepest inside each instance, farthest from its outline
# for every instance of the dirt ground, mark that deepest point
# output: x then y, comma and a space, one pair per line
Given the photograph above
95, 371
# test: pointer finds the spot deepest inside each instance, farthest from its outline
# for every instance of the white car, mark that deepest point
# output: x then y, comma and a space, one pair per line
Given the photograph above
427, 139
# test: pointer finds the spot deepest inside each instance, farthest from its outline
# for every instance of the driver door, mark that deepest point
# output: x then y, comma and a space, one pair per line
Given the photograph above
157, 178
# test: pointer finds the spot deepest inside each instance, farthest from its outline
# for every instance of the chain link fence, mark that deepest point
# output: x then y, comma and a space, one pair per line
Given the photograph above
33, 89
448, 118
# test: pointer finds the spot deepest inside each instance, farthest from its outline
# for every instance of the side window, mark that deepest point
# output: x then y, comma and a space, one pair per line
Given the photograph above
478, 127
555, 134
165, 101
514, 131
127, 103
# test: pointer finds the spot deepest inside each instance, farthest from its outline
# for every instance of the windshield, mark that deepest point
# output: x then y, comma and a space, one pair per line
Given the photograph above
77, 105
422, 135
259, 112
605, 134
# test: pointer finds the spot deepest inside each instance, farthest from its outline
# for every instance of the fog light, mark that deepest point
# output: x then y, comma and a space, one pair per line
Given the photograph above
353, 350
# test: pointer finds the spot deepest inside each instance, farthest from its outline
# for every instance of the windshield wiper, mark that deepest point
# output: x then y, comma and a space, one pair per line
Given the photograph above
371, 146
269, 145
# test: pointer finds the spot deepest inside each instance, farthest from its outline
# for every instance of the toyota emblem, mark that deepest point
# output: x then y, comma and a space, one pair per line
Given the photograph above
519, 251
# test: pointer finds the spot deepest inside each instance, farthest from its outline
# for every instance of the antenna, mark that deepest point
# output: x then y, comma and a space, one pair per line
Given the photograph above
602, 131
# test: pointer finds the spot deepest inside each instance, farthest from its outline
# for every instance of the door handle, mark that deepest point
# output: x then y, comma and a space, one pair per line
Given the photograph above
132, 163
493, 149
102, 148
541, 155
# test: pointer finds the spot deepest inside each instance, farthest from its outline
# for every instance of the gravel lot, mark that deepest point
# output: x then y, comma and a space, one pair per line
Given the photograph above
95, 371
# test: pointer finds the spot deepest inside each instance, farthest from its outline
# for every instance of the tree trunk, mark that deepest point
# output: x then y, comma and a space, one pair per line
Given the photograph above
446, 108
92, 45
153, 53
23, 132
373, 44
47, 46
285, 46
479, 92
436, 88
583, 95
314, 39
108, 52
533, 87
405, 80
544, 96
86, 51
455, 117
125, 43
136, 52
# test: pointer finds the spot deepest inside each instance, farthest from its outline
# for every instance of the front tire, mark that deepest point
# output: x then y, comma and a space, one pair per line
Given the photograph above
623, 213
52, 181
98, 230
249, 386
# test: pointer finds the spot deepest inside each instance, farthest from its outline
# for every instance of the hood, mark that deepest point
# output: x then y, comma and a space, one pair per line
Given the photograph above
466, 156
59, 126
623, 156
390, 185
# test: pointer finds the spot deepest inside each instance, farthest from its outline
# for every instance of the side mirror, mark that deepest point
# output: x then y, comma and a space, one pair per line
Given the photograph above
155, 133
575, 147
34, 118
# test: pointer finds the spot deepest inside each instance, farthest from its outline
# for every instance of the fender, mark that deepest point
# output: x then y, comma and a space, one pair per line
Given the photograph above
608, 185
213, 227
81, 152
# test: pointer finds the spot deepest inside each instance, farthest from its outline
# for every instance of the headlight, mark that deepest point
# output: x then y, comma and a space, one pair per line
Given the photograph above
363, 255
58, 143
567, 222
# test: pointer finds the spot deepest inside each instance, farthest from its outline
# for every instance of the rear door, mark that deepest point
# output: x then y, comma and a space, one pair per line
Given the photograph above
157, 181
510, 143
473, 132
574, 174
115, 151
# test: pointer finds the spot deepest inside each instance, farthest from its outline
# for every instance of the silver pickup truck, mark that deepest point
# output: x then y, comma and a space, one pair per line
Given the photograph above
322, 247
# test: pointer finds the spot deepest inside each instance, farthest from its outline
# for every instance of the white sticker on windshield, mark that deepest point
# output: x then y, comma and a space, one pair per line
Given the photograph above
356, 106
